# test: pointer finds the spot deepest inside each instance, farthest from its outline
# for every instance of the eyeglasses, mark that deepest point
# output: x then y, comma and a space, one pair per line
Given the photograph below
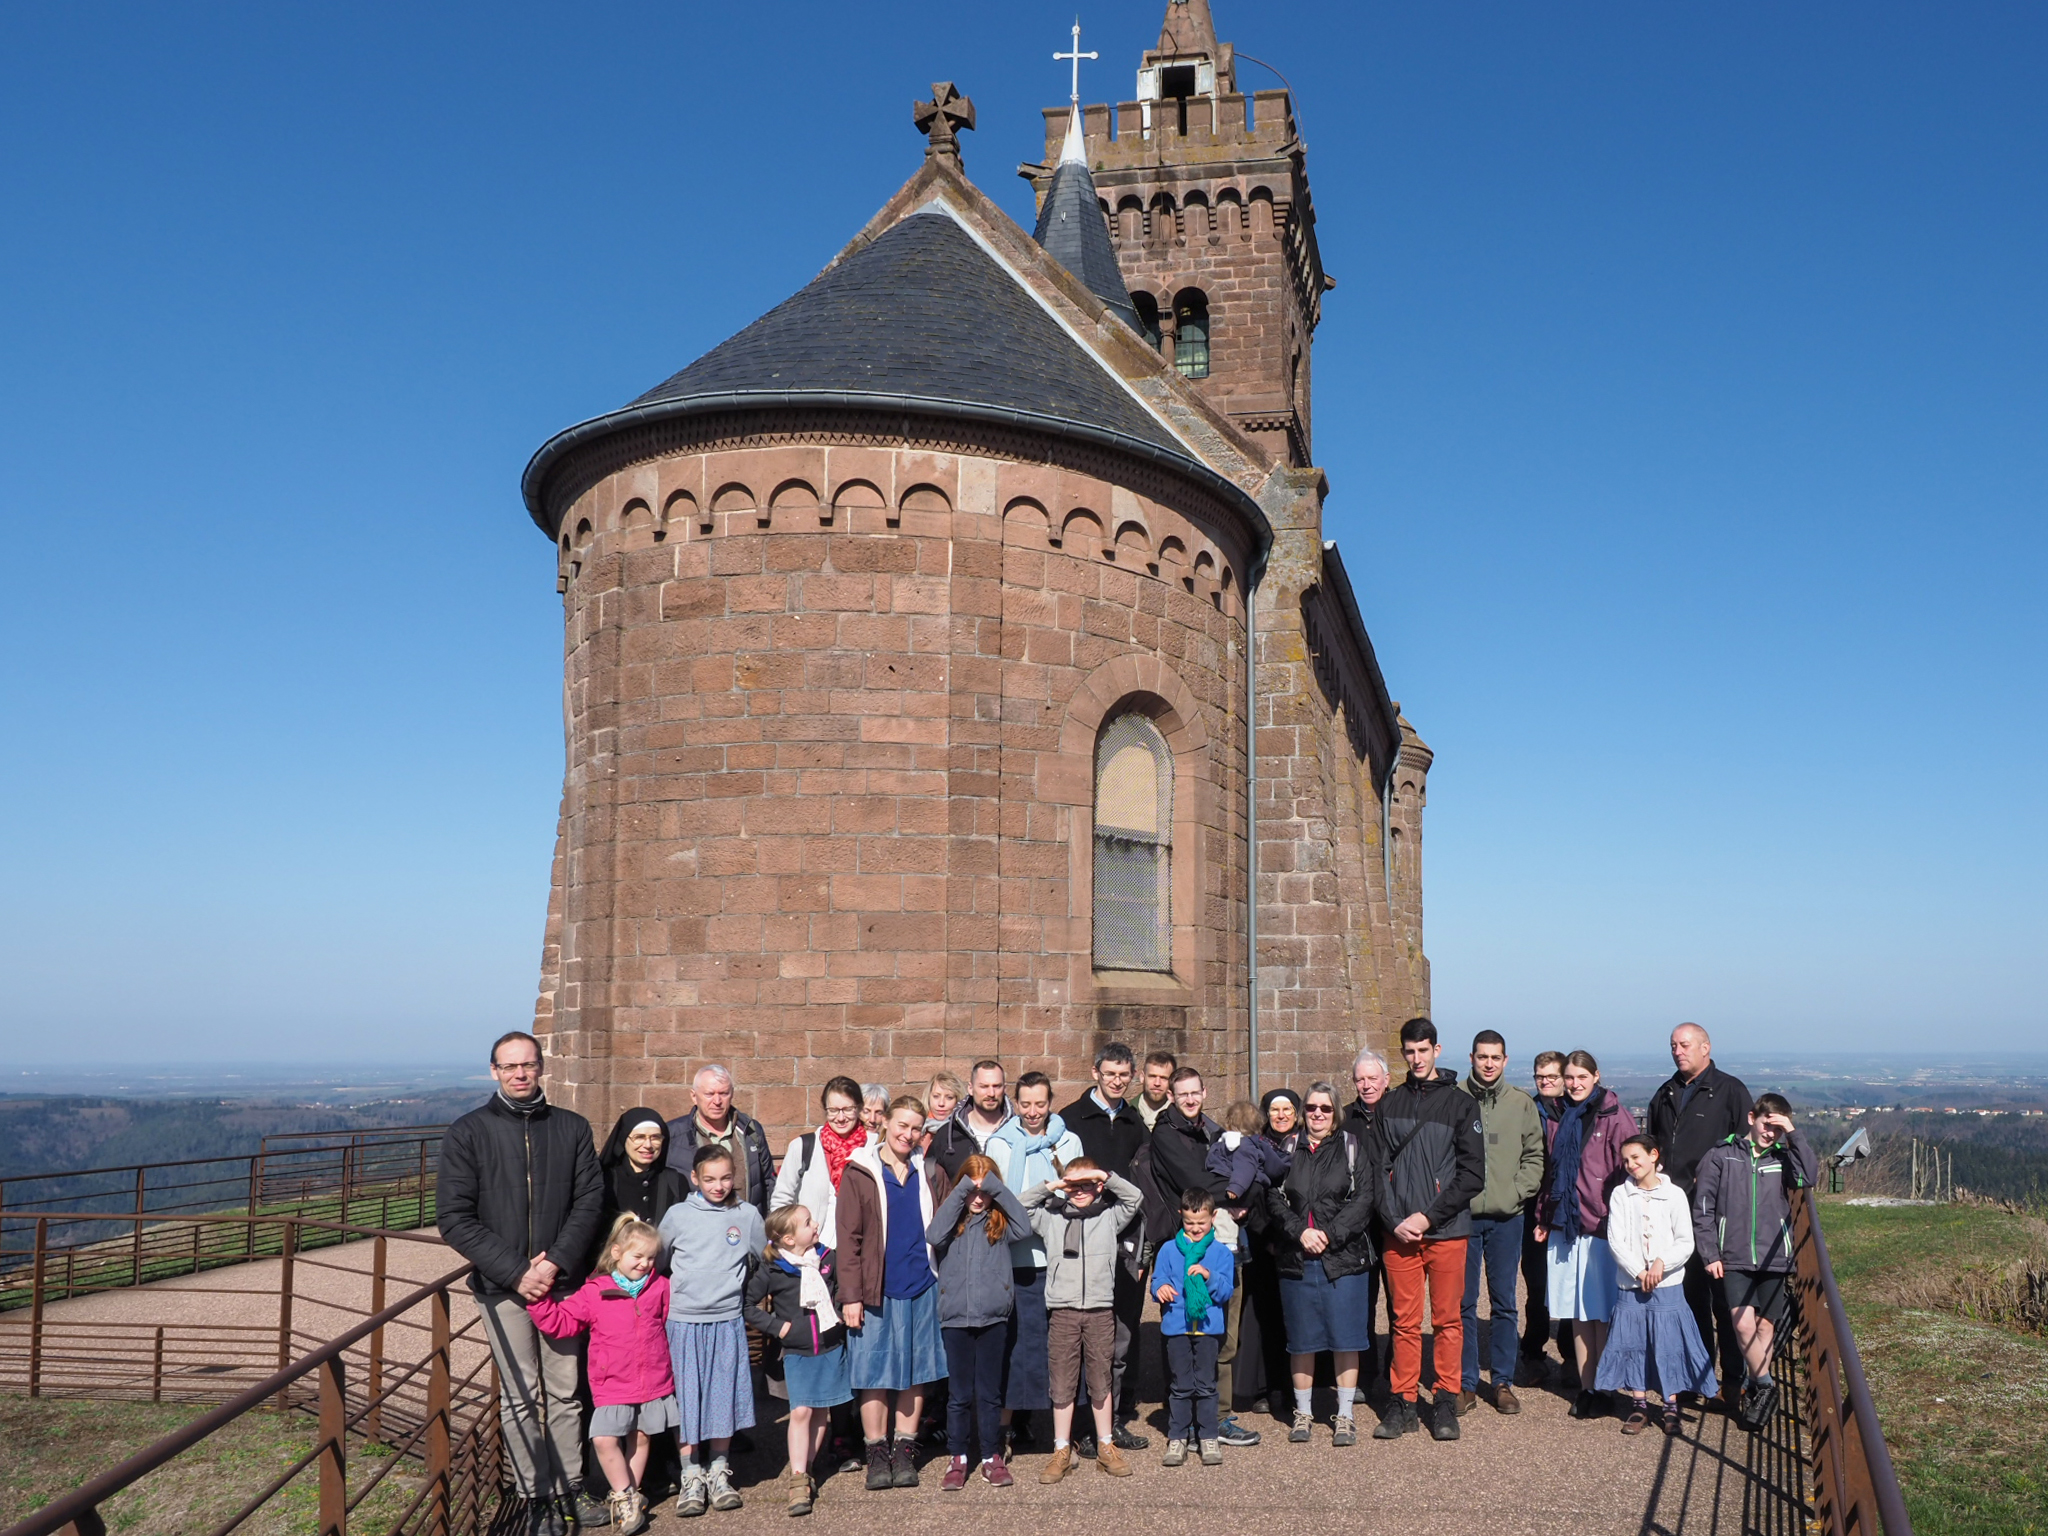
1320, 1109
512, 1068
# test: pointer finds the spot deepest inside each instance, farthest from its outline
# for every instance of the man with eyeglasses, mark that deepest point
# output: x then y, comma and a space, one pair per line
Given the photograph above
519, 1194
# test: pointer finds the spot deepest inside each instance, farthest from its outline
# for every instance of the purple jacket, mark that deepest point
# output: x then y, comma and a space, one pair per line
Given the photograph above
1600, 1167
629, 1359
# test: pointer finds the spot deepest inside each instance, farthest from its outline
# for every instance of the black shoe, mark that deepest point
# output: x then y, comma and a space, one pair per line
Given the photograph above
1021, 1436
1589, 1405
1084, 1446
1394, 1423
1230, 1432
544, 1517
1443, 1418
1126, 1438
881, 1468
903, 1463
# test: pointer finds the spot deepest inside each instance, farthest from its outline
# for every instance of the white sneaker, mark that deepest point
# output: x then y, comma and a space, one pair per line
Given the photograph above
1176, 1453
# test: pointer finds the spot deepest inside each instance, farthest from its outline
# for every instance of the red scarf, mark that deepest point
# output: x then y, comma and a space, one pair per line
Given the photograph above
839, 1148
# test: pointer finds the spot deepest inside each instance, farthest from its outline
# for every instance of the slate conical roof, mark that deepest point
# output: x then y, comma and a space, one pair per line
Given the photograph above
921, 318
1071, 228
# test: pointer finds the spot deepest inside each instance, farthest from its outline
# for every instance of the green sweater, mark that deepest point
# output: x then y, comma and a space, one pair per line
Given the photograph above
1514, 1148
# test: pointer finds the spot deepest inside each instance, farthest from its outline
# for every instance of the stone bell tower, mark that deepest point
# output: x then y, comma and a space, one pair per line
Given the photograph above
1206, 192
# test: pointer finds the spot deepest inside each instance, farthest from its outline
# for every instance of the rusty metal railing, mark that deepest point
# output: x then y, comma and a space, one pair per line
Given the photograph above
1855, 1489
437, 1412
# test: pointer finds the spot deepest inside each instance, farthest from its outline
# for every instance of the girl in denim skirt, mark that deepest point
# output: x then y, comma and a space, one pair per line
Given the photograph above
793, 1298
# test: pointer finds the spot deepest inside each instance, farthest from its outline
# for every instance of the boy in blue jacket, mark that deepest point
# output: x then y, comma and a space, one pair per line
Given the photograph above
1191, 1280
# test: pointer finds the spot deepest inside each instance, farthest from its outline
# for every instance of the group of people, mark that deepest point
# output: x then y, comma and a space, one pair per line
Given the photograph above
971, 1245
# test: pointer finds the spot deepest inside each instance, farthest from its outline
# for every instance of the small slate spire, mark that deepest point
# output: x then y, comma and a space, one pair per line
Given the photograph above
1072, 230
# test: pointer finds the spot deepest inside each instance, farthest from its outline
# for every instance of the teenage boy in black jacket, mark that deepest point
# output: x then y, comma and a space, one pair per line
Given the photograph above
519, 1195
1111, 1132
1693, 1111
1434, 1153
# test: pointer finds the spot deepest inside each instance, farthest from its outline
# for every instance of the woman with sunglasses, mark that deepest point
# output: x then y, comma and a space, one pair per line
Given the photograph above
1323, 1252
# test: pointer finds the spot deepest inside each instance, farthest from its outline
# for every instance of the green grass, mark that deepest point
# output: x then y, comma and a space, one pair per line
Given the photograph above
1964, 1403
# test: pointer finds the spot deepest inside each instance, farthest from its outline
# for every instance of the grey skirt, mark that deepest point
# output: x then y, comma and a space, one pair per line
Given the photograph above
615, 1421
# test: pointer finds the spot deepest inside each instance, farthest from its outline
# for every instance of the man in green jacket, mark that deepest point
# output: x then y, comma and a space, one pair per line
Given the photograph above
1514, 1173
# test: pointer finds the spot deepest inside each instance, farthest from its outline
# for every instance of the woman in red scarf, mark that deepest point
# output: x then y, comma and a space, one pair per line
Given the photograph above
812, 1165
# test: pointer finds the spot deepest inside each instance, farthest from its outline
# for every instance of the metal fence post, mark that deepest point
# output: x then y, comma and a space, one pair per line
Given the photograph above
141, 1175
333, 1449
156, 1370
284, 1309
439, 1392
35, 1308
373, 1425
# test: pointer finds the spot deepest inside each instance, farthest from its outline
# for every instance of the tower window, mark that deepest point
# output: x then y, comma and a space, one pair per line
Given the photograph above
1148, 317
1133, 847
1191, 334
1177, 80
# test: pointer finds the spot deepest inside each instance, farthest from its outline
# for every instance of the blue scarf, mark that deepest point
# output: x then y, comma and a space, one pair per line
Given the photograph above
632, 1287
1566, 1151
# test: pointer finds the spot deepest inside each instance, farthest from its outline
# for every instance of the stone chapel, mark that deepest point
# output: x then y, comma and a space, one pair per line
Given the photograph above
954, 662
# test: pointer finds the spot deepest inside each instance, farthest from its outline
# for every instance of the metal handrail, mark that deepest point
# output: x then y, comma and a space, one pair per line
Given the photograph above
394, 1133
1860, 1460
81, 1505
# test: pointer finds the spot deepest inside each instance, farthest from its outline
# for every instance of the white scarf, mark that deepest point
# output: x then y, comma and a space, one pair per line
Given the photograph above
814, 1295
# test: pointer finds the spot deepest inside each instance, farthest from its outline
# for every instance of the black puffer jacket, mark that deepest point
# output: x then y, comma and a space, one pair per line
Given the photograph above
1330, 1186
515, 1185
1716, 1109
1434, 1152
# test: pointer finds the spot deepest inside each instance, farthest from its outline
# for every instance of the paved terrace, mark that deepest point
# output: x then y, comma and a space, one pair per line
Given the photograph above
1538, 1473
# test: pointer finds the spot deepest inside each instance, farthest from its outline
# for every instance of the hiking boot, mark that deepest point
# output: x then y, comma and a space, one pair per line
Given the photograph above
1504, 1399
1637, 1421
1056, 1467
803, 1493
1176, 1454
1110, 1458
1212, 1453
691, 1499
1125, 1438
588, 1511
903, 1465
881, 1474
1398, 1420
544, 1517
998, 1473
1443, 1418
628, 1511
1304, 1424
719, 1488
956, 1475
1230, 1432
1344, 1430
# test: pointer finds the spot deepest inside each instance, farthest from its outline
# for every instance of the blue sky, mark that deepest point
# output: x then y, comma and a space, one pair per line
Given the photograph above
1683, 402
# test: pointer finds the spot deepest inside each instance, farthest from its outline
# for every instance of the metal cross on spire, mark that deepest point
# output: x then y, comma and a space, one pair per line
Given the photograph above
1076, 56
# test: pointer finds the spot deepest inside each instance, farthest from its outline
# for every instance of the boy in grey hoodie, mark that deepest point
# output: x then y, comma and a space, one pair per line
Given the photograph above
708, 1244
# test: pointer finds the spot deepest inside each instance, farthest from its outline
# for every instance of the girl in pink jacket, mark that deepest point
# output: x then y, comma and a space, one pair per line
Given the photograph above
632, 1384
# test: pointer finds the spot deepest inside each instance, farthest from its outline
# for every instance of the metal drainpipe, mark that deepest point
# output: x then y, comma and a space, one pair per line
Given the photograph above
1251, 839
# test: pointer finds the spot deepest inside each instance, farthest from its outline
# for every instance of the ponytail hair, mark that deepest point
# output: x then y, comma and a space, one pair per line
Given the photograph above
981, 1166
780, 1225
628, 1229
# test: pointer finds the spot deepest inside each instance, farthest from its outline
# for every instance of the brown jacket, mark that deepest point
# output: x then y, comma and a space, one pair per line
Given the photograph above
863, 1221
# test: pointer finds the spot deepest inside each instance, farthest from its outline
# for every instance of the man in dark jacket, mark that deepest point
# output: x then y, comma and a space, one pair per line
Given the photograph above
519, 1195
1435, 1158
713, 1119
1693, 1111
1111, 1132
974, 1123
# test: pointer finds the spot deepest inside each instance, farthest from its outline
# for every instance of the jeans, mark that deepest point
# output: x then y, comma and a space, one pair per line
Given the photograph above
1495, 1246
541, 1419
1191, 1386
1711, 1315
1440, 1264
974, 1401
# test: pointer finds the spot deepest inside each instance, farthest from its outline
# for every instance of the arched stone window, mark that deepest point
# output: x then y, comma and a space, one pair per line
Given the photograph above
1133, 847
1191, 333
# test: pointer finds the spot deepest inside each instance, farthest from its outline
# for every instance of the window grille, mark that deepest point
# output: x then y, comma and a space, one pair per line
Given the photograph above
1191, 335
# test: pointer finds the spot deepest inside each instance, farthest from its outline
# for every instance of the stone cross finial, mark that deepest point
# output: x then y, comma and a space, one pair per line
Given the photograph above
942, 118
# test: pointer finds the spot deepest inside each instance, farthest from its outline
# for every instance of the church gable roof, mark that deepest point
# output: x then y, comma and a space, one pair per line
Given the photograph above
920, 312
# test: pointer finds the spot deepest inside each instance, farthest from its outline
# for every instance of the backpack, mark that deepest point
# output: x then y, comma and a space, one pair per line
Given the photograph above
809, 1142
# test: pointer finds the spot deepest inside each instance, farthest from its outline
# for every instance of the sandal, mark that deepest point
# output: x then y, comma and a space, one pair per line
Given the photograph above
1637, 1421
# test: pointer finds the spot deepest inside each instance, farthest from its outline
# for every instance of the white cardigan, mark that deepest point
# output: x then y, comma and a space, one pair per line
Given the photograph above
816, 1193
1644, 1225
